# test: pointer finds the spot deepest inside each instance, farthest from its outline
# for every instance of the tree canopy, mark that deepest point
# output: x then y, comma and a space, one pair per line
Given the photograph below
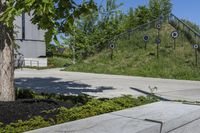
55, 16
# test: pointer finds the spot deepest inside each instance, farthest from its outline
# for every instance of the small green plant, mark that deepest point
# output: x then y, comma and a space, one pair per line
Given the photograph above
1, 124
152, 95
24, 93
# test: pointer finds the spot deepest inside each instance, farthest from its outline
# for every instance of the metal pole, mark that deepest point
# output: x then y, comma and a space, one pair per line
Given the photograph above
174, 44
196, 50
145, 45
196, 57
181, 33
111, 55
157, 51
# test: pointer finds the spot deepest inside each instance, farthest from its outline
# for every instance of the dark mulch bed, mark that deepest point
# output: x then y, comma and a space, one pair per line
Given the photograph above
26, 109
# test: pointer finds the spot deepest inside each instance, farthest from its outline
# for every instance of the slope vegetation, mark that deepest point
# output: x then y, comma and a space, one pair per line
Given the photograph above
131, 58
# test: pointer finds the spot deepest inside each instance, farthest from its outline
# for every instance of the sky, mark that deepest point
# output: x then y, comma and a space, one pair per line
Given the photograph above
186, 9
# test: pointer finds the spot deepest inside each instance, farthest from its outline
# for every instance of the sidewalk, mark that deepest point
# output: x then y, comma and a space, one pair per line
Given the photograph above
102, 85
160, 117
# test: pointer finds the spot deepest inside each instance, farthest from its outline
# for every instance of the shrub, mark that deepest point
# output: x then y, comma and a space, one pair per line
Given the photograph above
21, 126
91, 108
97, 107
24, 93
58, 62
80, 99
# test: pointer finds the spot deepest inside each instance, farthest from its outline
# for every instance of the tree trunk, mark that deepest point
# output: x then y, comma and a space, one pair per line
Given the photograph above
7, 92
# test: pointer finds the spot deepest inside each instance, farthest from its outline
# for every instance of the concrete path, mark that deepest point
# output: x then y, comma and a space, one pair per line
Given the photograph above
160, 117
101, 85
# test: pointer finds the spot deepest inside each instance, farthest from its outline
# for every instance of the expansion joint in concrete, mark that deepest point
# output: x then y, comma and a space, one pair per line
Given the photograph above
183, 125
155, 121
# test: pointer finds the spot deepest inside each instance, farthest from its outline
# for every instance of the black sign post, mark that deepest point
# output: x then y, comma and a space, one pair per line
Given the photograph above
158, 41
146, 39
196, 46
112, 46
129, 34
174, 35
158, 27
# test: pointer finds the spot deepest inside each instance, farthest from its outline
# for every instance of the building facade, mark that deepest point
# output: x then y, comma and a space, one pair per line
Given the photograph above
32, 48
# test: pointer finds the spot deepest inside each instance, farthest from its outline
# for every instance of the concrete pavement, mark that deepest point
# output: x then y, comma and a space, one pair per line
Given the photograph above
160, 117
102, 85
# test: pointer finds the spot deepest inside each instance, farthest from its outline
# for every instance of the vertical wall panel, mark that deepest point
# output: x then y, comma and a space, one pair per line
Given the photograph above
33, 45
32, 31
31, 49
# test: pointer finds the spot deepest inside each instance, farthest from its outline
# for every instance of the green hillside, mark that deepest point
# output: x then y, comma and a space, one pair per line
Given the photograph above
130, 57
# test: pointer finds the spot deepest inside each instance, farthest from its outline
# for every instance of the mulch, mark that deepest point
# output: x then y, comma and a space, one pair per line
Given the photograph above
27, 108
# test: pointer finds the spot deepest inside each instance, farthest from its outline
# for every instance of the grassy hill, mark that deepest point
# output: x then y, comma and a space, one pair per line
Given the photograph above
130, 57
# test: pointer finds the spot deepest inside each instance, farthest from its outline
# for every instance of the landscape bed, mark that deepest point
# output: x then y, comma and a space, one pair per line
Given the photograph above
32, 111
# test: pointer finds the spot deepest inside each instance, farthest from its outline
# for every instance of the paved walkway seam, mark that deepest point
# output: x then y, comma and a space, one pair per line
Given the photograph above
155, 121
183, 125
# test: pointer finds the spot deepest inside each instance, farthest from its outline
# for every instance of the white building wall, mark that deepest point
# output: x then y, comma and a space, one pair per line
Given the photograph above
32, 45
31, 49
31, 31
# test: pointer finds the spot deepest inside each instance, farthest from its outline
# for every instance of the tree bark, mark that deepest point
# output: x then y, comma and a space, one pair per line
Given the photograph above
7, 92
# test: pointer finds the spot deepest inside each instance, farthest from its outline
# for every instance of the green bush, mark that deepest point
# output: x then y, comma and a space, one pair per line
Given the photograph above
80, 99
30, 94
97, 107
91, 108
21, 126
58, 62
24, 93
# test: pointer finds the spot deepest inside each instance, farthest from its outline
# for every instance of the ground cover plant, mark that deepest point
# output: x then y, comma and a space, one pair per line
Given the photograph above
58, 62
31, 110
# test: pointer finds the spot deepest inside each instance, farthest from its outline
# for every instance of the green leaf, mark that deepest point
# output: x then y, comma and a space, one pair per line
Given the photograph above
55, 39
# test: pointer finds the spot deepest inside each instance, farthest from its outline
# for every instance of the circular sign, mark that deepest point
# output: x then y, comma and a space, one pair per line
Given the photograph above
158, 41
174, 34
158, 26
196, 46
146, 38
112, 46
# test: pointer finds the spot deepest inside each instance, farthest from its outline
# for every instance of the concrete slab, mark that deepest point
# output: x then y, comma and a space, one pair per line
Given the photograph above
104, 124
56, 81
160, 117
192, 127
189, 95
171, 115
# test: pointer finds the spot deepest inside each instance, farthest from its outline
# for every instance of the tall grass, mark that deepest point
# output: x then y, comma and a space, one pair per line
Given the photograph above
130, 57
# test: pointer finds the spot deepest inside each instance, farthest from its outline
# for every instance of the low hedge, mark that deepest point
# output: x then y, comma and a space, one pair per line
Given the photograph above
91, 108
